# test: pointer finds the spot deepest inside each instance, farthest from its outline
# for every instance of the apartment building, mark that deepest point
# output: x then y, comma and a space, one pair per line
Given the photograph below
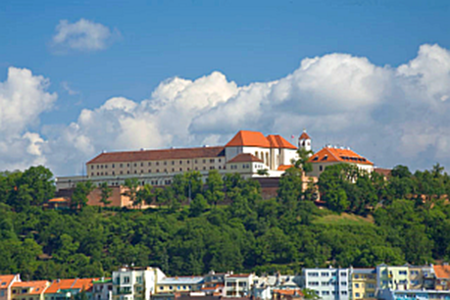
239, 285
392, 277
264, 287
181, 284
363, 283
328, 283
6, 282
135, 283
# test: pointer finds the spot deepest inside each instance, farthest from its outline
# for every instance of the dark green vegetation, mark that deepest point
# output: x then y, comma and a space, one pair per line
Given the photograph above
368, 222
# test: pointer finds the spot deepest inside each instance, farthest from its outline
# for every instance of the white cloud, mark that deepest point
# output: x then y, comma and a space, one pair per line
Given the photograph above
83, 35
391, 115
23, 97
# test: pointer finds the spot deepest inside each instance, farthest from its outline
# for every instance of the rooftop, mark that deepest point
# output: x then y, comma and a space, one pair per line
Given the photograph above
442, 271
181, 280
335, 154
245, 157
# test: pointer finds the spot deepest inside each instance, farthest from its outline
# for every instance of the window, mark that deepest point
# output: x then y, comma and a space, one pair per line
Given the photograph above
357, 295
181, 162
313, 283
149, 170
229, 284
121, 165
325, 274
157, 163
325, 283
188, 161
242, 284
170, 287
195, 161
149, 163
211, 160
403, 281
2, 293
356, 276
402, 272
356, 285
343, 274
161, 287
344, 293
128, 165
139, 279
173, 162
165, 163
313, 274
320, 168
385, 282
325, 293
181, 169
414, 272
184, 287
121, 172
344, 283
126, 279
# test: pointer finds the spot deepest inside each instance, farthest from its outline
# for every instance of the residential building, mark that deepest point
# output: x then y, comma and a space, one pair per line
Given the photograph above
328, 283
102, 289
180, 284
135, 283
442, 275
290, 294
29, 290
213, 283
363, 283
67, 289
332, 155
6, 282
264, 286
392, 277
246, 153
392, 294
239, 285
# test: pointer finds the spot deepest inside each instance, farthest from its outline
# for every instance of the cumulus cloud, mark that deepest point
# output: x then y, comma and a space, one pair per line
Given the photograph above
23, 97
390, 114
83, 35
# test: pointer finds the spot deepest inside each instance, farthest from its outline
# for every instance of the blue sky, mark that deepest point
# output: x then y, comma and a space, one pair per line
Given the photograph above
152, 42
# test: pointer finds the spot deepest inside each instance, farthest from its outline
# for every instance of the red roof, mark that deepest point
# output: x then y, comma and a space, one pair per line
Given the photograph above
284, 167
239, 275
144, 155
6, 279
442, 271
245, 157
38, 286
288, 292
64, 284
329, 154
304, 136
249, 139
277, 141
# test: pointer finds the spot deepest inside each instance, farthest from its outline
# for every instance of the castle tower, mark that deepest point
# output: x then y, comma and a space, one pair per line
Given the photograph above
304, 141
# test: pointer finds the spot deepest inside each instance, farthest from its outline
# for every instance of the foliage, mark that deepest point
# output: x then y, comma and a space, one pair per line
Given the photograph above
251, 234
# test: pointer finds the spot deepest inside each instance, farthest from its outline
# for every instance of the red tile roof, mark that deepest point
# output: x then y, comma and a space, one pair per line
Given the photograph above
288, 292
64, 284
38, 286
145, 155
384, 172
6, 279
277, 141
284, 167
245, 157
329, 154
442, 271
61, 199
304, 136
239, 275
249, 139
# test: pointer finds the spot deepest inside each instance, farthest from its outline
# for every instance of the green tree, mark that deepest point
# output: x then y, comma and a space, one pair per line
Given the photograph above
214, 192
198, 206
80, 195
105, 194
132, 186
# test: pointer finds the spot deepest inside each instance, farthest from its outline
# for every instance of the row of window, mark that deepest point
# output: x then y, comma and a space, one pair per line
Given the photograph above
327, 293
400, 272
369, 285
113, 173
369, 295
325, 274
325, 283
212, 160
385, 282
232, 284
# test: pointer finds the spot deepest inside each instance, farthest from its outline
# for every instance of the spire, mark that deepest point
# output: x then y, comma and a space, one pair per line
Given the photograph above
304, 141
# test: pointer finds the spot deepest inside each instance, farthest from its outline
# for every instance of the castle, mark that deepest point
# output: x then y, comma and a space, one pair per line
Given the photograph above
248, 153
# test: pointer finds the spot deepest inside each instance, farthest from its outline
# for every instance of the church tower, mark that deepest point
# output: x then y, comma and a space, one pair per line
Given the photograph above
304, 141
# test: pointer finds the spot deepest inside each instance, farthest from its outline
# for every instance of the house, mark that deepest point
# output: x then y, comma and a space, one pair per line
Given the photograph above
363, 283
102, 289
442, 274
264, 286
135, 283
289, 294
332, 155
239, 285
246, 153
29, 290
6, 282
179, 284
328, 283
67, 289
213, 283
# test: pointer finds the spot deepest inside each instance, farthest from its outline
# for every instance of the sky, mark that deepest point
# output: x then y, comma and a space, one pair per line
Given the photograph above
81, 77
